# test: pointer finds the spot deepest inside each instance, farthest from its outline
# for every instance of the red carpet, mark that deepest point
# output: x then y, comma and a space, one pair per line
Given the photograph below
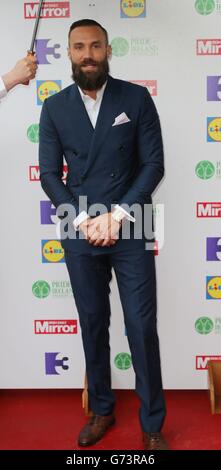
52, 419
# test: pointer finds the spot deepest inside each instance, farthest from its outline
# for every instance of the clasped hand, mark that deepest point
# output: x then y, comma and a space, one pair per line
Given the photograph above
101, 231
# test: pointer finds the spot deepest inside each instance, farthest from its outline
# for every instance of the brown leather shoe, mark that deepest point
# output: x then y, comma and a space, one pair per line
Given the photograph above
95, 429
154, 441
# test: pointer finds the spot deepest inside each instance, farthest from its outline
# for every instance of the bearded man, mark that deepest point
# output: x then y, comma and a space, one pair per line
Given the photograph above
108, 130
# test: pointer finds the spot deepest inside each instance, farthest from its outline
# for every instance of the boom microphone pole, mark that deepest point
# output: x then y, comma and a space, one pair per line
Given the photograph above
31, 50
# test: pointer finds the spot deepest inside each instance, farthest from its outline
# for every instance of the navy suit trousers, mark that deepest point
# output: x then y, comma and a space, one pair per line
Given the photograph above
90, 277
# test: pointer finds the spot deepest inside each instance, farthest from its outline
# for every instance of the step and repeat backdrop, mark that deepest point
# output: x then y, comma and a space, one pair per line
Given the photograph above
173, 48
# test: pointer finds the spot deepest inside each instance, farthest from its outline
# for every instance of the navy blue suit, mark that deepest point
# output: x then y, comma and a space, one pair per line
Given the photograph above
111, 165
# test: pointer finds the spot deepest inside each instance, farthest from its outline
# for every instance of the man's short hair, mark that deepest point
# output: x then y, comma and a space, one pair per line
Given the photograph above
87, 22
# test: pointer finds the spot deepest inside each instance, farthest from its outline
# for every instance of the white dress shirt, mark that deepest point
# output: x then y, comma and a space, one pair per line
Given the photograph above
93, 107
3, 91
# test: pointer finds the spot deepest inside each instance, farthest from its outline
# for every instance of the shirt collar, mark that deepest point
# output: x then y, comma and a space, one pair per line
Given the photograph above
100, 93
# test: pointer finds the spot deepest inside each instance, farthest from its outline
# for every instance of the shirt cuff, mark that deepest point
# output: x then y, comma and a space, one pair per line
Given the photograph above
3, 91
79, 219
120, 213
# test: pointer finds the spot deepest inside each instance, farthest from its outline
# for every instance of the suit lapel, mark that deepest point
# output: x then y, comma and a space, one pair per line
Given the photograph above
79, 118
108, 111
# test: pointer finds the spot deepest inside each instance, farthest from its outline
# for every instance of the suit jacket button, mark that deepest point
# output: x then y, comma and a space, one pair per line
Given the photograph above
112, 175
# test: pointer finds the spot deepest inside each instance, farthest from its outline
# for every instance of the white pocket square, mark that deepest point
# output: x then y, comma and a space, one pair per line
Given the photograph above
121, 119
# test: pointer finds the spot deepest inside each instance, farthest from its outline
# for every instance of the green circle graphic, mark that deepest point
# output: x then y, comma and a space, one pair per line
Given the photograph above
120, 47
204, 325
205, 170
33, 133
41, 289
204, 7
123, 361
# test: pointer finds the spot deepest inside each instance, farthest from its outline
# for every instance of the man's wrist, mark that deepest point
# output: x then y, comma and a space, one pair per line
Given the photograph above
9, 81
118, 216
79, 219
84, 223
125, 214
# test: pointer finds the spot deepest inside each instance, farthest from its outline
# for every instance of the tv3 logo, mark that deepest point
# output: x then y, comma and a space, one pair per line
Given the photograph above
43, 51
52, 363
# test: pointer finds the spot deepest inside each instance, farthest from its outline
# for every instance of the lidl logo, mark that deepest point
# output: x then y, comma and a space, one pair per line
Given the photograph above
52, 251
213, 249
205, 7
205, 170
41, 289
214, 88
133, 8
214, 129
47, 88
213, 287
33, 133
123, 361
204, 325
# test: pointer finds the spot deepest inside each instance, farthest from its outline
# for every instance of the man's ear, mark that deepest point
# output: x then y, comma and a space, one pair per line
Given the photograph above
109, 52
69, 52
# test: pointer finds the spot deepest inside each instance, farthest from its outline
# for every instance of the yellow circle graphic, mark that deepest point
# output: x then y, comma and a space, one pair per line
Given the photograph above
214, 129
47, 89
214, 287
133, 8
53, 251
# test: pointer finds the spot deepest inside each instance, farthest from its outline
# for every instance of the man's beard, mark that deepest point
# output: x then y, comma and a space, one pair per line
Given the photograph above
90, 80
